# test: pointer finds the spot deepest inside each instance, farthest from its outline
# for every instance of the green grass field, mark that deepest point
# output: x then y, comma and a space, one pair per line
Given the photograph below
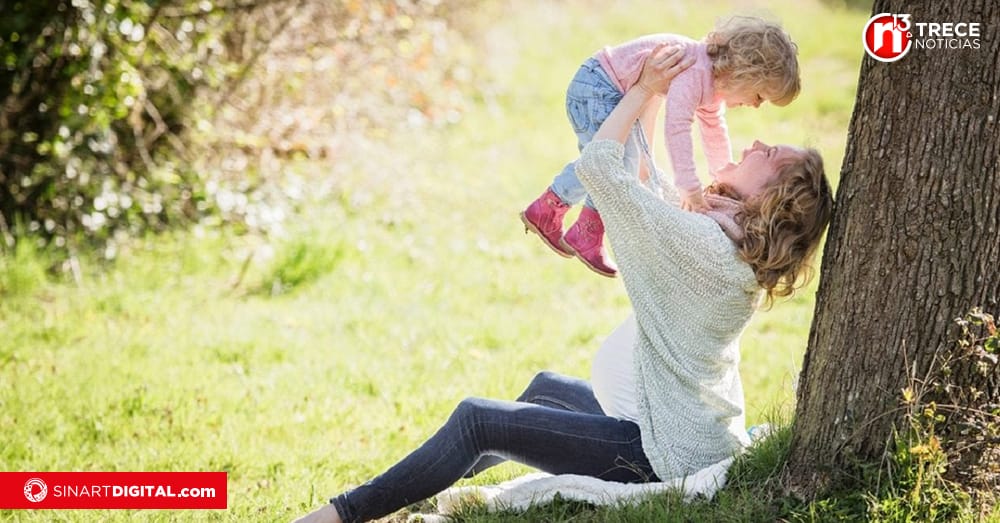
406, 287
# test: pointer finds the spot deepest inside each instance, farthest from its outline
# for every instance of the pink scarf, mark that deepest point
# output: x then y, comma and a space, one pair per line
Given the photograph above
723, 211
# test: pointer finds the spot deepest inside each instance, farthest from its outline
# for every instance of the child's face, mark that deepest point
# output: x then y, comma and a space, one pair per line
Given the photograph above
757, 169
740, 96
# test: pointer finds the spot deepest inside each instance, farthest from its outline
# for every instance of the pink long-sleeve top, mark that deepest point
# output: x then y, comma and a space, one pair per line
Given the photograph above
691, 96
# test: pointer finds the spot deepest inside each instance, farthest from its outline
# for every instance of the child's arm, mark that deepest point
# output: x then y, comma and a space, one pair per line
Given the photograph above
682, 102
714, 137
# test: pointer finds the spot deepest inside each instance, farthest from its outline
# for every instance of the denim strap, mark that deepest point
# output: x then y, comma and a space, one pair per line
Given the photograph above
654, 174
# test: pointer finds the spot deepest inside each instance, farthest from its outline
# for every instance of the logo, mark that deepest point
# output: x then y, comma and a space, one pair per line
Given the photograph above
31, 494
887, 37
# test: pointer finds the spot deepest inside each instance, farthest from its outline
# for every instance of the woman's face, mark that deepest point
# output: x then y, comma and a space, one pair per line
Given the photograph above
758, 168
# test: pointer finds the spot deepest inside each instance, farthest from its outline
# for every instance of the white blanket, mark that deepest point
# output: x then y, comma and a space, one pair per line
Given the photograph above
540, 488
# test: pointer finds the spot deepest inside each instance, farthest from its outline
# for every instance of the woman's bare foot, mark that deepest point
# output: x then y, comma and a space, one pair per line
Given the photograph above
325, 514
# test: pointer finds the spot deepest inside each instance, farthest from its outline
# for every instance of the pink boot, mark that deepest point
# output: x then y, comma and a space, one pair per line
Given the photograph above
544, 217
586, 239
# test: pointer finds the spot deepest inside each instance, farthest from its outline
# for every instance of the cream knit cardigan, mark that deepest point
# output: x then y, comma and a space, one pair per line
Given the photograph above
692, 297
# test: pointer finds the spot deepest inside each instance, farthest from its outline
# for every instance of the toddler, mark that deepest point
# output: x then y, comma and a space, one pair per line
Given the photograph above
745, 61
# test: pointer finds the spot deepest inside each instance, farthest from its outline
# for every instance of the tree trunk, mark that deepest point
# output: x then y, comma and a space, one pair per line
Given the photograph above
914, 243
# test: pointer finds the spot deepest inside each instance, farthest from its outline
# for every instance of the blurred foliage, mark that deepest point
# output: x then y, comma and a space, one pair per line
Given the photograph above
120, 117
95, 96
22, 272
859, 5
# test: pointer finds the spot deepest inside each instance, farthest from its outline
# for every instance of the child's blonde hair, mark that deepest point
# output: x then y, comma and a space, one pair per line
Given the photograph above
751, 53
783, 224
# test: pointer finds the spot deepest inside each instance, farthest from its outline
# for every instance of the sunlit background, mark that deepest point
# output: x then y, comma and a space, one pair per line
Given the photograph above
280, 238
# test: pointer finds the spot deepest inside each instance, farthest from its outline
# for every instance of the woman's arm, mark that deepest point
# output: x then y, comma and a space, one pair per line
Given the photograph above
661, 66
648, 122
652, 239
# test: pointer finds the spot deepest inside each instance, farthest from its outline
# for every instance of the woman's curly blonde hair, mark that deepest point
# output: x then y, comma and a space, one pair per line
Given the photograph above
753, 54
784, 223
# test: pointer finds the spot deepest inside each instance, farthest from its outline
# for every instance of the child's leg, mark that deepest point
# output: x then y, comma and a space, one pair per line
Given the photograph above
552, 440
590, 98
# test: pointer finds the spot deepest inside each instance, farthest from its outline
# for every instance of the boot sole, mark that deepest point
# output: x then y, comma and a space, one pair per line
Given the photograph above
528, 226
586, 263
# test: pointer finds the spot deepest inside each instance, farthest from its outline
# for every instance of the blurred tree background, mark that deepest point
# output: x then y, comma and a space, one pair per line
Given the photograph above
123, 117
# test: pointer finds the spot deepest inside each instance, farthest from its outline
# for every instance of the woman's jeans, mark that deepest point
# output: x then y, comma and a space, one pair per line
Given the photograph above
556, 426
590, 98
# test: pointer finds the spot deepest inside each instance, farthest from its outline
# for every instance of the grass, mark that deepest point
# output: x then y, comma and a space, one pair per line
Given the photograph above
306, 365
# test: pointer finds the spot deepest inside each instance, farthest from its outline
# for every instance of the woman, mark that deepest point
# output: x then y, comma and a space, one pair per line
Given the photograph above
666, 398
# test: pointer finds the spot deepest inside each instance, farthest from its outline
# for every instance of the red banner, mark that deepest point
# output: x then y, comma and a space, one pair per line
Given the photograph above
113, 490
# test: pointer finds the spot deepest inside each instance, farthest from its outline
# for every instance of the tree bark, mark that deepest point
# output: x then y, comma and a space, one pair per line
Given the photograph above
914, 242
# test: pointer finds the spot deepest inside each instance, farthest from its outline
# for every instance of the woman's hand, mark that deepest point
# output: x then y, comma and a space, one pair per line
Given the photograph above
661, 66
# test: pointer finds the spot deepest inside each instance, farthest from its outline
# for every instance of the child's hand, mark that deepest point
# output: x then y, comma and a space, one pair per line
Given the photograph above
661, 66
694, 202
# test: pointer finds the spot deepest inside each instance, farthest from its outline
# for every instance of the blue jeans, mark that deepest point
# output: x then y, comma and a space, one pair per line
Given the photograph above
590, 98
556, 425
